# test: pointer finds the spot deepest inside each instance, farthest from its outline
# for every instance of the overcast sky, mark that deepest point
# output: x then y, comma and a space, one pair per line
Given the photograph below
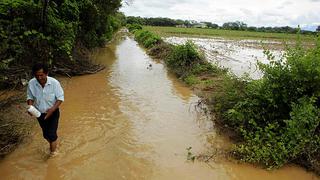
252, 12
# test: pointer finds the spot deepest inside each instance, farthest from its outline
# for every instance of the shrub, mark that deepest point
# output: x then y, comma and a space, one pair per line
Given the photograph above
274, 145
146, 38
18, 24
278, 115
206, 68
191, 80
134, 27
183, 58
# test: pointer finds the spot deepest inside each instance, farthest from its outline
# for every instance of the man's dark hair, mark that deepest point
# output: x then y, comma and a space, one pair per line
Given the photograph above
38, 67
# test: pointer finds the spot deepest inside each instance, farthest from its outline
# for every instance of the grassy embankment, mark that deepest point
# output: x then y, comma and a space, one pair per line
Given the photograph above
275, 119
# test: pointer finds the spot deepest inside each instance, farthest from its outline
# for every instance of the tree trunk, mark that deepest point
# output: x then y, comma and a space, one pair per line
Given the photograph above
44, 14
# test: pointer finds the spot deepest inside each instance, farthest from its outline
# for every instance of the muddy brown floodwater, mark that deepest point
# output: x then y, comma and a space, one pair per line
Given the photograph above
130, 121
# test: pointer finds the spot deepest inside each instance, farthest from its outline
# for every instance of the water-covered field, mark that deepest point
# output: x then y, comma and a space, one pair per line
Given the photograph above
240, 56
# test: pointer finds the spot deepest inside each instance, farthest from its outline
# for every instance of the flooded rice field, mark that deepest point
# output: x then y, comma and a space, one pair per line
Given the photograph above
132, 121
240, 56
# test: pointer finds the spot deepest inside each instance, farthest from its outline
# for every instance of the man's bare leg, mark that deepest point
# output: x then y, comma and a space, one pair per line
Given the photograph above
53, 146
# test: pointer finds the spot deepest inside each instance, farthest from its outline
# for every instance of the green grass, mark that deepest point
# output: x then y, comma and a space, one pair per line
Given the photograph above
230, 34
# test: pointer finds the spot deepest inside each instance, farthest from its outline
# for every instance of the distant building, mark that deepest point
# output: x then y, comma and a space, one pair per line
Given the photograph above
199, 25
181, 26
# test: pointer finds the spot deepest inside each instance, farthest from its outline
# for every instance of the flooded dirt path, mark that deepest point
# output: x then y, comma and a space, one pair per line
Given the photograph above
130, 121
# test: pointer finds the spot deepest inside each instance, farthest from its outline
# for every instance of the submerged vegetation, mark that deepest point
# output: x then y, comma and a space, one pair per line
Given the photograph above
275, 119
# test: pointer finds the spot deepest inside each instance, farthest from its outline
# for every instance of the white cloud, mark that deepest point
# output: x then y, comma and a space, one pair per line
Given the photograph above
252, 12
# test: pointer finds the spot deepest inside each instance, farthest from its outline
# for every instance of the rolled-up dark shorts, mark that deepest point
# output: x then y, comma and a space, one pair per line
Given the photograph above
49, 126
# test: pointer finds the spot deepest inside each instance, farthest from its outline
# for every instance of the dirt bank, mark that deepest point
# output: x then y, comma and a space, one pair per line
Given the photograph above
15, 123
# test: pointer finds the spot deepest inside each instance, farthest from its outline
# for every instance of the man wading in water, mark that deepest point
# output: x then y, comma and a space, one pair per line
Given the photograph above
46, 95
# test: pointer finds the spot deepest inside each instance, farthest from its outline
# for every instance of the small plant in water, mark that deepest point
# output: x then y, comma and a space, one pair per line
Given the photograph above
190, 155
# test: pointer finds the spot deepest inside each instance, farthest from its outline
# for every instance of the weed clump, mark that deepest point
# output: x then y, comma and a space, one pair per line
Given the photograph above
183, 58
134, 27
277, 116
146, 38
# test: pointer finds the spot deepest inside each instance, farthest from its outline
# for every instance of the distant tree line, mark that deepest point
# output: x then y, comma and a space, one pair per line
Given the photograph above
237, 25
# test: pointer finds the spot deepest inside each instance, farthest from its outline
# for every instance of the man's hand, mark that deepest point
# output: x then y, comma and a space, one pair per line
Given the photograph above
49, 112
30, 102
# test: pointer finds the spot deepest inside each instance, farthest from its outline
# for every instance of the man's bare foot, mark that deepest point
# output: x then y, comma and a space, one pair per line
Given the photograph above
53, 154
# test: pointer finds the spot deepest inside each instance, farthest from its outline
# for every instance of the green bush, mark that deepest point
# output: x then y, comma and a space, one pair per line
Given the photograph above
207, 68
146, 38
274, 145
191, 80
33, 31
183, 58
28, 35
98, 21
134, 27
278, 115
151, 41
18, 25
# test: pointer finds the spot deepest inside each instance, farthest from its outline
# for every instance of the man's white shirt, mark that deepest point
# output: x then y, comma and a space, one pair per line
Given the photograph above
44, 98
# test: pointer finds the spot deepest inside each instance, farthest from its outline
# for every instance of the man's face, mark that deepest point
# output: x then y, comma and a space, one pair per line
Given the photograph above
41, 77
